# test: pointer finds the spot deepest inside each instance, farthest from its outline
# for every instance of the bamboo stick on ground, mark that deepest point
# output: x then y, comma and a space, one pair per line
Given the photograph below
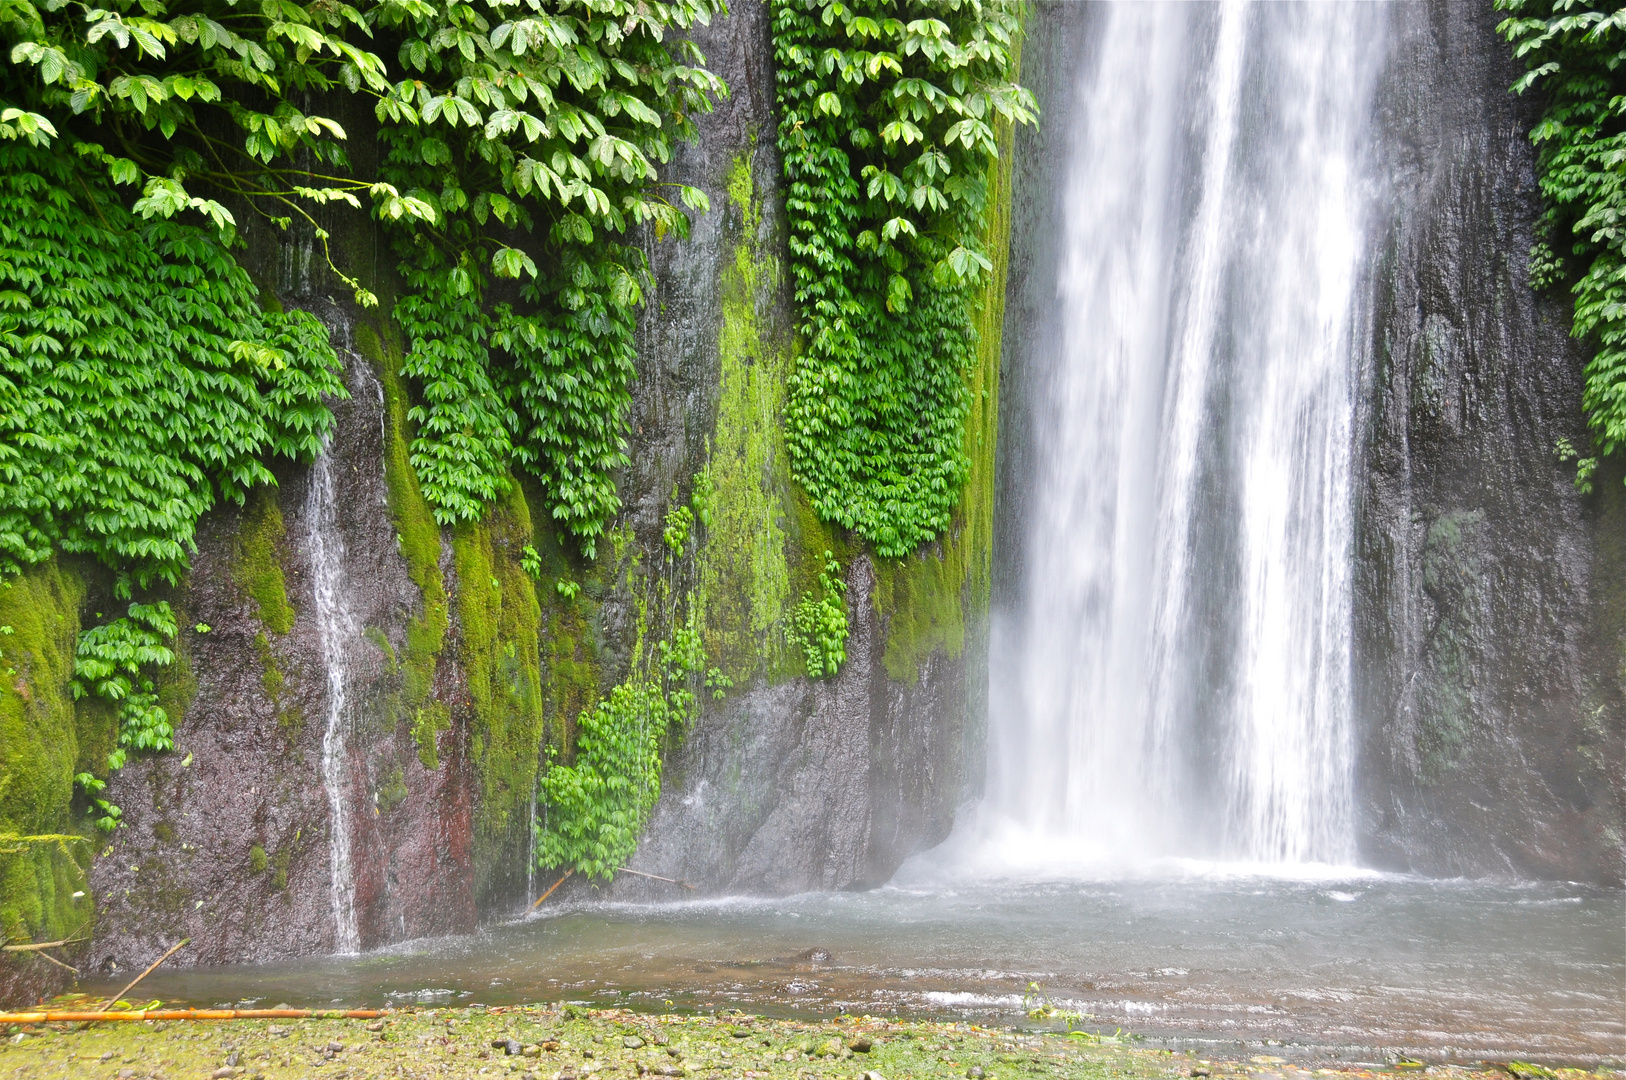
66, 1016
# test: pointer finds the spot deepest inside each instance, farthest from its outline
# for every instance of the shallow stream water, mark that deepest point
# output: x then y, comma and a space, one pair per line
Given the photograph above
1345, 966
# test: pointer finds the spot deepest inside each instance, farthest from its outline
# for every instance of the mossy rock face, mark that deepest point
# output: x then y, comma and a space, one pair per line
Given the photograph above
39, 754
763, 546
468, 674
259, 560
418, 539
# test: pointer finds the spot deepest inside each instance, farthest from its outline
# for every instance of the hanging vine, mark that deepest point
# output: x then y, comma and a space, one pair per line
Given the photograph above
1575, 54
886, 132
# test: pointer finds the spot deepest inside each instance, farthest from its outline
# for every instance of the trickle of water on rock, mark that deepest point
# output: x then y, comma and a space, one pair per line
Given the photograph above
335, 628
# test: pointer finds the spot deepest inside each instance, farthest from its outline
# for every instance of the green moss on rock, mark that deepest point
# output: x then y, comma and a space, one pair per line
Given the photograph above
499, 622
763, 544
427, 724
393, 792
568, 592
279, 867
258, 564
418, 539
177, 684
39, 751
290, 718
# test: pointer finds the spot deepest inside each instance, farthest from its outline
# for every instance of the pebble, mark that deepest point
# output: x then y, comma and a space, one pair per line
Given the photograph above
976, 1073
631, 1042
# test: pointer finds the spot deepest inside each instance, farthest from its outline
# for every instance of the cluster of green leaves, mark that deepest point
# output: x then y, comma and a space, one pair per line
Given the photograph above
819, 623
140, 383
522, 139
596, 806
679, 522
139, 380
887, 112
114, 662
197, 103
528, 139
1575, 54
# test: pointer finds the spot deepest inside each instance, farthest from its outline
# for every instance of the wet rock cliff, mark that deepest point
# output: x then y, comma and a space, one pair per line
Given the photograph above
365, 700
1490, 605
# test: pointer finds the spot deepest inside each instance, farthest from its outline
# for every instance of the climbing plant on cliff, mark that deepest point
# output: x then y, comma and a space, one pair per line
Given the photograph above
531, 138
886, 132
595, 807
140, 383
522, 142
1575, 55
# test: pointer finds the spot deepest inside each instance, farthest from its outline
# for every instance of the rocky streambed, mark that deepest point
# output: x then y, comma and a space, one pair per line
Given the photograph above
552, 1042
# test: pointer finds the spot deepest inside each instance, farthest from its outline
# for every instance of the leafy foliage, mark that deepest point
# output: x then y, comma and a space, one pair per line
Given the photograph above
886, 130
597, 806
521, 138
139, 381
1575, 52
531, 138
113, 662
819, 623
201, 100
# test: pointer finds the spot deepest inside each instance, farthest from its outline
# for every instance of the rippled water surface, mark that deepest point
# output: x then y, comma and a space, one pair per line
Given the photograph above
1342, 966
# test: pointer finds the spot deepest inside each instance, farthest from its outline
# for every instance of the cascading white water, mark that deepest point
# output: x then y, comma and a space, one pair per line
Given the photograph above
336, 629
1178, 665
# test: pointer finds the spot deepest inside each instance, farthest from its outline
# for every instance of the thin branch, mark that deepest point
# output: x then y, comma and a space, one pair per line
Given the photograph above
38, 945
173, 949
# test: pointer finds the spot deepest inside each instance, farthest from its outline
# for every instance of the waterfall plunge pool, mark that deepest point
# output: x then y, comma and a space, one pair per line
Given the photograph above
1336, 967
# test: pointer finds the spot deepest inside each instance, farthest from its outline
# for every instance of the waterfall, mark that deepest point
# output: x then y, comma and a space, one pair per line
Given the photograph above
335, 628
1172, 676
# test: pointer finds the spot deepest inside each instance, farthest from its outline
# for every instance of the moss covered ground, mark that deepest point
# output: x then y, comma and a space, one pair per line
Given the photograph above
549, 1043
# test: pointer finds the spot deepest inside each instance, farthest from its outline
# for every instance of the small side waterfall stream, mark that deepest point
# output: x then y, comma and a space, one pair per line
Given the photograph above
336, 629
1177, 672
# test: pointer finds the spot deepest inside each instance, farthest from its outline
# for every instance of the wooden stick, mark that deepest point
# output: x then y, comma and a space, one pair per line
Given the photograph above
58, 963
38, 945
549, 893
65, 1016
657, 877
173, 949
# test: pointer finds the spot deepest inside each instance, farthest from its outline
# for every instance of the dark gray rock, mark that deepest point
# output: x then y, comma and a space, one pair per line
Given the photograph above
1489, 606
